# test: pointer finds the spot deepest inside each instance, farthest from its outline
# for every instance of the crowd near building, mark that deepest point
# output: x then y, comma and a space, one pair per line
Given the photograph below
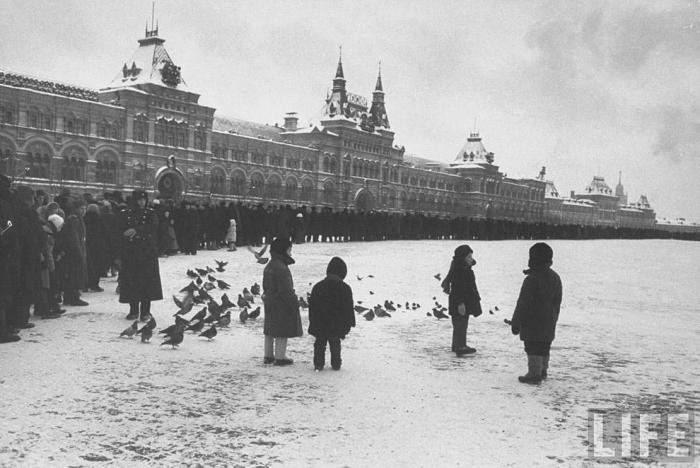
146, 130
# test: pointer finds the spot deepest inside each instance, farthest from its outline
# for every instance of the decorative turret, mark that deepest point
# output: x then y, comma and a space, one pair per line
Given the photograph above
620, 191
378, 110
336, 103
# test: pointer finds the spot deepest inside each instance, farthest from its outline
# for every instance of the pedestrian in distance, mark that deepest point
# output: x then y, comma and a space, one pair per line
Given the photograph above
537, 311
331, 314
464, 299
231, 235
282, 318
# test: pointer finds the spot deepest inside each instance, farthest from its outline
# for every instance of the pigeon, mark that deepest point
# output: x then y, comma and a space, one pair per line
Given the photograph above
259, 255
241, 302
208, 286
370, 276
302, 303
359, 302
223, 284
225, 320
371, 292
184, 305
389, 306
226, 302
439, 314
199, 315
496, 308
192, 274
255, 313
398, 305
220, 269
146, 334
369, 315
196, 327
210, 269
211, 279
178, 302
180, 324
407, 305
437, 277
214, 308
148, 326
255, 289
198, 282
220, 264
507, 322
201, 271
490, 311
130, 331
247, 295
379, 312
360, 309
428, 314
243, 316
209, 333
189, 288
175, 339
359, 278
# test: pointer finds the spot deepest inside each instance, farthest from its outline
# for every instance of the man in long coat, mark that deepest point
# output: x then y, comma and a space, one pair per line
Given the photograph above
139, 278
75, 260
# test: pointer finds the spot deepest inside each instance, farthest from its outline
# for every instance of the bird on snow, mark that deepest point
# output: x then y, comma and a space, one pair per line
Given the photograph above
209, 333
225, 320
507, 322
210, 269
211, 279
241, 302
496, 308
371, 292
222, 284
389, 306
428, 314
198, 281
192, 274
247, 295
199, 315
360, 309
226, 302
214, 308
208, 286
146, 334
220, 264
359, 278
437, 277
190, 287
175, 339
490, 311
370, 276
254, 313
180, 324
201, 271
439, 314
302, 303
255, 289
243, 316
379, 312
259, 254
407, 305
130, 331
151, 324
369, 315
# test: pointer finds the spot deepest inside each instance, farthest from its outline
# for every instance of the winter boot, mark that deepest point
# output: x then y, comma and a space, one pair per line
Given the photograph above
534, 370
545, 366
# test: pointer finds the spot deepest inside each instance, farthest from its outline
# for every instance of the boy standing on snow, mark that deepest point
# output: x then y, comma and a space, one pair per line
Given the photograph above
330, 313
537, 311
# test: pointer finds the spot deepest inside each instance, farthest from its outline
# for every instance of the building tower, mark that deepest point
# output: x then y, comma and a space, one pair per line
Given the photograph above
378, 110
336, 103
620, 191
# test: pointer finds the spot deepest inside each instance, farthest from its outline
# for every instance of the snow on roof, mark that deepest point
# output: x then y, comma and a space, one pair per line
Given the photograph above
473, 151
246, 128
599, 187
550, 191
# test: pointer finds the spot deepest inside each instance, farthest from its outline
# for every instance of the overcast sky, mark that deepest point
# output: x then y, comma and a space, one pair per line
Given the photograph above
581, 87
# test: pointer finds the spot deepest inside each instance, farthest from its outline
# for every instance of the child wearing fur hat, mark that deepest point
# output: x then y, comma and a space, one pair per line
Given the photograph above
537, 311
464, 301
331, 313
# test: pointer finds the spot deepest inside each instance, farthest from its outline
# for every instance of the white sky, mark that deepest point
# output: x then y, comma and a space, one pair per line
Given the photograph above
583, 88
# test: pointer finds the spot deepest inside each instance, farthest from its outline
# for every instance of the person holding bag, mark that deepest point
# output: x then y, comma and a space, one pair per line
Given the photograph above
464, 300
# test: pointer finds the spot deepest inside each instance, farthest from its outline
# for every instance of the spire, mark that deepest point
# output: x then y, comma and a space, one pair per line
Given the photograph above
379, 87
339, 71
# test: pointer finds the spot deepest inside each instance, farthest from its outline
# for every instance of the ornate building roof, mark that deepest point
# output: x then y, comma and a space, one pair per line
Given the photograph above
247, 128
150, 63
599, 187
550, 191
473, 154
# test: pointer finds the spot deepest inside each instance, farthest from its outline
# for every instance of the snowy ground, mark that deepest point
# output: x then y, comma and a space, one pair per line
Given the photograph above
75, 394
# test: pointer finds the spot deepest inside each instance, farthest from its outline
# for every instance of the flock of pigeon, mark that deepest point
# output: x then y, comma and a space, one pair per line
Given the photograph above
213, 314
205, 320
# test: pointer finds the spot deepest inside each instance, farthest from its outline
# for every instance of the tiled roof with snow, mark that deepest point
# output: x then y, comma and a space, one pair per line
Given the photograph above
246, 128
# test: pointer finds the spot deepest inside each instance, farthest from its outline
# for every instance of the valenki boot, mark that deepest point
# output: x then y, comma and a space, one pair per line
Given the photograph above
534, 370
545, 366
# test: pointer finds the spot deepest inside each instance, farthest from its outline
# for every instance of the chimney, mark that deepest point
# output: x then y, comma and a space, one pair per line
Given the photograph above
290, 121
572, 194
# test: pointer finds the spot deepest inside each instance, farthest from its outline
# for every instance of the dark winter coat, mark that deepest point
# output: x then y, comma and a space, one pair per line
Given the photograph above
460, 284
282, 318
139, 278
537, 310
9, 252
331, 312
75, 260
96, 242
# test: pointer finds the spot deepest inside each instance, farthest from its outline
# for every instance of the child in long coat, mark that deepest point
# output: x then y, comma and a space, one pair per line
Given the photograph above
537, 311
464, 301
331, 313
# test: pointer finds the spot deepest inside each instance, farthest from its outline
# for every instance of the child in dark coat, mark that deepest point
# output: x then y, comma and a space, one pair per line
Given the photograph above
537, 311
330, 313
464, 301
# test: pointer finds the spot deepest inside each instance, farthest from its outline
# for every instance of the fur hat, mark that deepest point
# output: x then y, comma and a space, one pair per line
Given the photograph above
137, 194
280, 245
57, 221
93, 208
337, 267
541, 255
462, 251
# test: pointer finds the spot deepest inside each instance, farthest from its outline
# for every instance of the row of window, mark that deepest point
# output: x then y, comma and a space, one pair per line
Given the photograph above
71, 168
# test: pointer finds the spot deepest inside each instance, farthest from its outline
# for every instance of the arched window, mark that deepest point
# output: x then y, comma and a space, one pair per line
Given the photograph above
467, 185
257, 185
307, 190
290, 189
38, 160
140, 129
326, 164
198, 178
273, 188
334, 165
329, 192
7, 154
106, 168
238, 184
218, 179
